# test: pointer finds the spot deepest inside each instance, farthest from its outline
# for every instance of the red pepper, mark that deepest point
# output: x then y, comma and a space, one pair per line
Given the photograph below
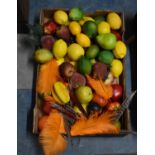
114, 106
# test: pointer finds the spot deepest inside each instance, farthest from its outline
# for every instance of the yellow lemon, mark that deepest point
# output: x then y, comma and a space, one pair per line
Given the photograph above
59, 49
83, 40
75, 51
60, 61
114, 20
103, 27
61, 17
116, 68
120, 50
74, 27
84, 19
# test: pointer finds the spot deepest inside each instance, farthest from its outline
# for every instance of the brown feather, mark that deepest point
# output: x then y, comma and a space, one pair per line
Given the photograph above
51, 137
95, 124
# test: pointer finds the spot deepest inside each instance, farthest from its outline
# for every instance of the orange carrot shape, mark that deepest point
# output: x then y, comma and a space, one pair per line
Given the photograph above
48, 75
95, 125
51, 137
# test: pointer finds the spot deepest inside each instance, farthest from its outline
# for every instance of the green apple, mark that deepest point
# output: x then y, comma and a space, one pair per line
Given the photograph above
84, 94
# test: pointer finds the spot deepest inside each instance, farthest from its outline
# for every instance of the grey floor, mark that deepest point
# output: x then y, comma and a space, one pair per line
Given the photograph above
27, 142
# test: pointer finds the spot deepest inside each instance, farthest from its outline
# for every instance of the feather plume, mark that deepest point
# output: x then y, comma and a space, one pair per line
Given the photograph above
47, 76
95, 124
51, 137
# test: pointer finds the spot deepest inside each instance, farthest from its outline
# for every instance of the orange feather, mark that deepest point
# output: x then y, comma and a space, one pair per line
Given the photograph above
51, 137
100, 88
48, 75
95, 125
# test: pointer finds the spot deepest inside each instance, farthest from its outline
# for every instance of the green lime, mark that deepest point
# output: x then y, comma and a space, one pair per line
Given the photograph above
89, 28
76, 14
92, 51
106, 57
106, 41
99, 19
84, 65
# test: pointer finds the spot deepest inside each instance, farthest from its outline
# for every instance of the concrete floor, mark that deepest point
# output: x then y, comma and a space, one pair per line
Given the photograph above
28, 143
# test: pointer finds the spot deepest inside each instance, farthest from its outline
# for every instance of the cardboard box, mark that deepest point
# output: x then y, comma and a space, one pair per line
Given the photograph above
47, 14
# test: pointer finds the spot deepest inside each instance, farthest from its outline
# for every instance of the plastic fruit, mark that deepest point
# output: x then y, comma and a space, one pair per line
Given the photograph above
116, 68
106, 41
76, 14
99, 19
109, 79
99, 100
84, 94
120, 50
61, 17
42, 55
93, 61
84, 65
63, 33
106, 57
83, 40
74, 63
117, 92
77, 80
114, 106
60, 61
62, 92
77, 110
41, 122
74, 27
59, 49
66, 70
85, 19
114, 20
56, 98
117, 34
75, 51
90, 29
47, 42
103, 27
50, 27
99, 70
92, 51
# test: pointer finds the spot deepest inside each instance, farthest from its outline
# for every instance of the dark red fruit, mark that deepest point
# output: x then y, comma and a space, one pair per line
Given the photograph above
99, 70
117, 34
77, 80
50, 27
47, 108
63, 33
66, 70
117, 92
47, 42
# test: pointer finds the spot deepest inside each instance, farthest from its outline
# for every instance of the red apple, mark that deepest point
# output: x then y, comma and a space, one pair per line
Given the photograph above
117, 92
50, 27
63, 33
47, 42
